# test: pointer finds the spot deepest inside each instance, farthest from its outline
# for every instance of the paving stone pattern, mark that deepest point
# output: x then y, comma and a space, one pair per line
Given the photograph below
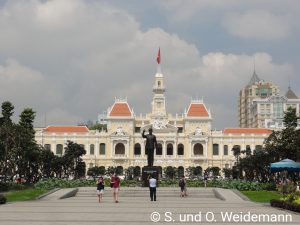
135, 207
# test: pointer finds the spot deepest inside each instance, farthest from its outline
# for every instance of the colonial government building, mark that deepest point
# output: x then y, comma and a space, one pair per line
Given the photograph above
183, 140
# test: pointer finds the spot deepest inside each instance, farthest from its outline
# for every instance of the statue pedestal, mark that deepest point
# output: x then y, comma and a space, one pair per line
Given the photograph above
149, 170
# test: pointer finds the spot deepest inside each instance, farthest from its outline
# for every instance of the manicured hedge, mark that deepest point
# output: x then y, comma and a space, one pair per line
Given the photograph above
241, 185
228, 184
62, 183
11, 186
2, 199
4, 186
285, 205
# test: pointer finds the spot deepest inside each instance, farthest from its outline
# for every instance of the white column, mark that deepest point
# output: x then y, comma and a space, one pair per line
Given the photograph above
111, 148
221, 149
142, 149
97, 149
206, 148
127, 149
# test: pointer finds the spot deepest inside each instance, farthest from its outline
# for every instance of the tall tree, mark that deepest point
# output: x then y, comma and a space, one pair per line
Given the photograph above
7, 139
30, 152
7, 112
290, 118
47, 163
73, 162
285, 144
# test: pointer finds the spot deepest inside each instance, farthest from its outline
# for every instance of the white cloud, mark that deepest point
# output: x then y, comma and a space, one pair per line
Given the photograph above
26, 87
186, 10
57, 116
258, 24
71, 58
219, 77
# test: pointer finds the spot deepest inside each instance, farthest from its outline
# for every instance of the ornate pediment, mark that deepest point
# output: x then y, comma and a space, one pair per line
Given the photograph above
120, 133
160, 127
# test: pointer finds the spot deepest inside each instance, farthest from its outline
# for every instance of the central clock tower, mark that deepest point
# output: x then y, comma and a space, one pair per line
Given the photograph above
159, 100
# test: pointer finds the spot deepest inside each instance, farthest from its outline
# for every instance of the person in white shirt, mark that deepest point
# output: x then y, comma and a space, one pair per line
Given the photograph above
152, 187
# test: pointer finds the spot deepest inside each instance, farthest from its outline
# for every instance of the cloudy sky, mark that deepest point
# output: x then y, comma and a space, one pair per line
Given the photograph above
69, 59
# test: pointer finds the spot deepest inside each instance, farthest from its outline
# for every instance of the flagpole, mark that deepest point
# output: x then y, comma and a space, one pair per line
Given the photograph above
158, 59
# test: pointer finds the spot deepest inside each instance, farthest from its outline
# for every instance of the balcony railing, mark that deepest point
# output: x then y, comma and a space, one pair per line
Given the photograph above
119, 156
198, 156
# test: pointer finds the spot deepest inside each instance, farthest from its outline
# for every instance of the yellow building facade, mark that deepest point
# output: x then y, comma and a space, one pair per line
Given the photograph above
183, 140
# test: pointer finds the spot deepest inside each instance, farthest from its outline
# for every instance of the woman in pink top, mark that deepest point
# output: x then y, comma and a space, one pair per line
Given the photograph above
115, 184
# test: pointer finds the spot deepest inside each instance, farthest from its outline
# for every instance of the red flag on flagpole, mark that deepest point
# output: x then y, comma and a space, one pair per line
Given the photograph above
158, 56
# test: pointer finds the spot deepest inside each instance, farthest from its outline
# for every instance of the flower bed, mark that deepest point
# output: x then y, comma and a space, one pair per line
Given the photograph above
290, 202
293, 206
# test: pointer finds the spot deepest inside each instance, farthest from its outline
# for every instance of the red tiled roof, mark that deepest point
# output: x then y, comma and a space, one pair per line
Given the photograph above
66, 129
247, 131
197, 110
120, 109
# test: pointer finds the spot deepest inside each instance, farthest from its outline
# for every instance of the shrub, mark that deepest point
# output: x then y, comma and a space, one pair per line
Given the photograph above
236, 184
131, 183
269, 186
291, 197
62, 183
285, 205
4, 186
11, 186
17, 187
2, 199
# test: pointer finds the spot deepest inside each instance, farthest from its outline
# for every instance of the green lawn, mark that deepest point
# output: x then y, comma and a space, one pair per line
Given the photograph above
262, 196
23, 195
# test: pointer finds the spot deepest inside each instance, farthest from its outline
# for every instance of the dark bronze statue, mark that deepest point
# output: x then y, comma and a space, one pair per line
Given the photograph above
151, 144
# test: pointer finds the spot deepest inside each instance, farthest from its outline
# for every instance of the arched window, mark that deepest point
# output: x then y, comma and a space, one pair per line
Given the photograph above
215, 149
120, 149
198, 149
137, 149
59, 149
119, 170
180, 149
159, 149
92, 149
137, 171
169, 149
47, 147
102, 149
158, 83
198, 171
180, 171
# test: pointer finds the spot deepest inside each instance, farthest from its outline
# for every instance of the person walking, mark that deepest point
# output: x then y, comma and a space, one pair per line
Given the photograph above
205, 179
100, 188
115, 184
182, 185
152, 187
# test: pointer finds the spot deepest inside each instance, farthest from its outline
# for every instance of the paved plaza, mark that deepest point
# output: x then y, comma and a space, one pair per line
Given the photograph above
202, 206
